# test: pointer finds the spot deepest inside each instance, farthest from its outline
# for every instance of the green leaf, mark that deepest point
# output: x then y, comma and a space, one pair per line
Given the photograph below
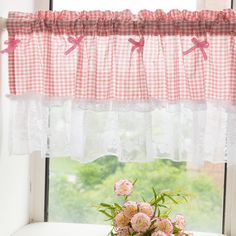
110, 206
126, 198
158, 212
166, 212
154, 192
107, 214
171, 198
118, 206
162, 199
155, 201
143, 199
111, 232
135, 181
161, 205
176, 230
185, 198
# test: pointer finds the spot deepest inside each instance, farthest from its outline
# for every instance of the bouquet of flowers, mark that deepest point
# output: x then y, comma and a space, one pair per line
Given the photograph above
145, 218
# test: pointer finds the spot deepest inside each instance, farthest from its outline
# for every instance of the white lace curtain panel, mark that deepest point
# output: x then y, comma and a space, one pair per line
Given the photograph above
145, 86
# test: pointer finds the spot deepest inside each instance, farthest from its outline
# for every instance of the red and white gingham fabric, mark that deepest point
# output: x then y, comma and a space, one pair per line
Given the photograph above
104, 66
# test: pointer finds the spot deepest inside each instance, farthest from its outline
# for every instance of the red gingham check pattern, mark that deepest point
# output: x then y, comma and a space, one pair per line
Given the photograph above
104, 67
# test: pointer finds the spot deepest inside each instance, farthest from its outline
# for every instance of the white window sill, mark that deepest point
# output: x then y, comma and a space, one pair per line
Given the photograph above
64, 229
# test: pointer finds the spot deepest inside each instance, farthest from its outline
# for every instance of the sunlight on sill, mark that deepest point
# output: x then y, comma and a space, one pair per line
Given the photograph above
68, 229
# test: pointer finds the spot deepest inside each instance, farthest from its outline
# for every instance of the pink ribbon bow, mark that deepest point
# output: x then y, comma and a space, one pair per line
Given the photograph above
198, 44
75, 41
137, 45
12, 44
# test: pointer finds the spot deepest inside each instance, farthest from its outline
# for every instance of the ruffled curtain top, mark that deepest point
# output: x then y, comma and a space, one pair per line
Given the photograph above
105, 23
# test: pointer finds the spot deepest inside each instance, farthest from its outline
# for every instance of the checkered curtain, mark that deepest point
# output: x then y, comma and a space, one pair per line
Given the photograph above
104, 56
140, 86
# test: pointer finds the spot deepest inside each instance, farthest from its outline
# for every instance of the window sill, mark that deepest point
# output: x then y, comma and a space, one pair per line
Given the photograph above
66, 229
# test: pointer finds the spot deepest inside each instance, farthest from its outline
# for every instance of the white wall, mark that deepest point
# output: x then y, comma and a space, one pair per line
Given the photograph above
14, 171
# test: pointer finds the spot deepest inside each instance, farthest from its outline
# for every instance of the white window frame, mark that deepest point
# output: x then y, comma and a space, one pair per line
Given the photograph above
37, 163
37, 171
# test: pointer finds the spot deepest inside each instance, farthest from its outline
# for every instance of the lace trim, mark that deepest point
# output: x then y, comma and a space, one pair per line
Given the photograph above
180, 134
141, 106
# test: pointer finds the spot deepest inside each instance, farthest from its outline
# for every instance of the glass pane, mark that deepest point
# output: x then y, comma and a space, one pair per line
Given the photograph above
213, 4
135, 6
75, 188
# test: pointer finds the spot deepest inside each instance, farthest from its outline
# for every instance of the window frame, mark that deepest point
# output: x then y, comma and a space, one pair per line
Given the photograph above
40, 168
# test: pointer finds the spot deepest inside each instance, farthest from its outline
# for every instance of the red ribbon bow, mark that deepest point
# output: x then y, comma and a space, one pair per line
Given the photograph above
75, 41
137, 45
198, 44
12, 44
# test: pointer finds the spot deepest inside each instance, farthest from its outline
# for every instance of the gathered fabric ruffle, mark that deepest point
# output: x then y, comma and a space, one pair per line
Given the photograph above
125, 69
103, 23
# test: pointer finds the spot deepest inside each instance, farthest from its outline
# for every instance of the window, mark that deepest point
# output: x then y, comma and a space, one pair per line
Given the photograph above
74, 187
138, 5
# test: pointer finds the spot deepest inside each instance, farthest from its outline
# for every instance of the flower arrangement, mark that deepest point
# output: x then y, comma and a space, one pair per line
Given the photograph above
144, 218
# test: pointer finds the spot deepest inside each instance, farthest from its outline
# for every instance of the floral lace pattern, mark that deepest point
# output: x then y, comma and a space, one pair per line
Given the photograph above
177, 132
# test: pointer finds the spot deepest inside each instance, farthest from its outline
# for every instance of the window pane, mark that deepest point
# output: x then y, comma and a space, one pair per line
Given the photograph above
135, 6
213, 4
75, 188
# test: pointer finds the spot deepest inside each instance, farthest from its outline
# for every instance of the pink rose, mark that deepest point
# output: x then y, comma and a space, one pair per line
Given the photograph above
130, 209
165, 225
120, 220
124, 231
146, 208
159, 233
180, 222
140, 222
123, 187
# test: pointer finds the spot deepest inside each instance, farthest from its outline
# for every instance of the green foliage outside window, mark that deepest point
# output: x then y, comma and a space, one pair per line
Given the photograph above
75, 188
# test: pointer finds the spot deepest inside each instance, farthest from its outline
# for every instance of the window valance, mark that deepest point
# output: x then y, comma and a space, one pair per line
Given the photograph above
144, 86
